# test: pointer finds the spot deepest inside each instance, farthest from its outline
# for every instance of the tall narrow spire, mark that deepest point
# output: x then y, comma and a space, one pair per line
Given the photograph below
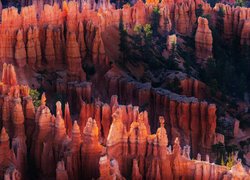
67, 119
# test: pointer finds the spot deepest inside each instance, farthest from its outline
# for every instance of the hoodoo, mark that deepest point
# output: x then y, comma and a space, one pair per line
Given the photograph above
203, 40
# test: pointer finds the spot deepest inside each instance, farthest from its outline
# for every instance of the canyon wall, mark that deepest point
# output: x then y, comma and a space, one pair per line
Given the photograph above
45, 35
51, 146
182, 113
57, 148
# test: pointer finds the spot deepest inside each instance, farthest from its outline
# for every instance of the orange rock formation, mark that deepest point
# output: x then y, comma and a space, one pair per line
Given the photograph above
180, 14
75, 71
65, 151
203, 40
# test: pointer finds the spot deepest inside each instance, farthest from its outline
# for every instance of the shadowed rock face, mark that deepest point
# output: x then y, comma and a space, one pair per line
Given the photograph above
111, 138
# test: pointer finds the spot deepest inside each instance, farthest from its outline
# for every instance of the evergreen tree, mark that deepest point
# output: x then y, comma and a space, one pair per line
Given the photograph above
242, 3
222, 161
199, 11
208, 17
213, 2
123, 45
155, 19
146, 48
211, 69
171, 62
232, 148
244, 65
175, 86
220, 151
242, 85
35, 97
220, 20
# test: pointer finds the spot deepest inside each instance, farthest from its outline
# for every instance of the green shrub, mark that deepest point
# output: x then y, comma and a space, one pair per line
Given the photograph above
35, 95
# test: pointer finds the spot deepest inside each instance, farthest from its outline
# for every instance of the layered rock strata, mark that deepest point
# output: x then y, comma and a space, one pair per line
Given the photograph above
203, 40
84, 22
57, 148
181, 113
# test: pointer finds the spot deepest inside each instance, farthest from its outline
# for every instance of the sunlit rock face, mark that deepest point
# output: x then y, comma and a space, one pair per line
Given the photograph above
90, 154
203, 39
49, 44
160, 161
15, 108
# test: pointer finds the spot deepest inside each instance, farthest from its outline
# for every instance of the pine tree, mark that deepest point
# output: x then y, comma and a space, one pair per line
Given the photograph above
199, 11
220, 20
155, 19
35, 97
171, 62
219, 149
123, 45
175, 86
147, 48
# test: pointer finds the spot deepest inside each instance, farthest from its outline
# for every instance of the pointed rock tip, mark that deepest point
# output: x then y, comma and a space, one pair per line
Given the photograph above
4, 135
